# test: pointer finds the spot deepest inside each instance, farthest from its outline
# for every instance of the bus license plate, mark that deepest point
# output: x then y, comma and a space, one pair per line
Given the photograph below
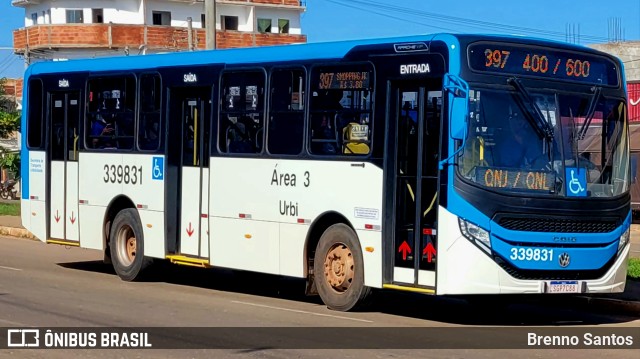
563, 286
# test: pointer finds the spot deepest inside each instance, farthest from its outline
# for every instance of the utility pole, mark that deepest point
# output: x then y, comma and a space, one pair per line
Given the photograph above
27, 57
190, 33
210, 20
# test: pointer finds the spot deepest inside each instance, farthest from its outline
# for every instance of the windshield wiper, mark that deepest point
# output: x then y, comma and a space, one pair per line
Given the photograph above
590, 112
538, 120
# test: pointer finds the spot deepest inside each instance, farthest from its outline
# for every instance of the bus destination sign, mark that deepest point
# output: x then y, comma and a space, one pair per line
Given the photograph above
521, 60
515, 179
344, 80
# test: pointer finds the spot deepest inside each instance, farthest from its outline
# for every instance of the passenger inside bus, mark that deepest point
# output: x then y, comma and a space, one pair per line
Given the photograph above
124, 128
100, 128
325, 131
150, 131
189, 134
239, 139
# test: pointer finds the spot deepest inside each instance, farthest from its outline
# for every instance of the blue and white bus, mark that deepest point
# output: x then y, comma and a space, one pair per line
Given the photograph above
442, 164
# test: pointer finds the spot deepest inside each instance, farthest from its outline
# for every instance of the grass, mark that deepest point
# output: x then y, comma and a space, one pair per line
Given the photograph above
10, 209
633, 271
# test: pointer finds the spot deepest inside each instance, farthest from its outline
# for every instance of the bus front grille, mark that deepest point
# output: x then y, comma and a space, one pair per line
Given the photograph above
531, 274
557, 225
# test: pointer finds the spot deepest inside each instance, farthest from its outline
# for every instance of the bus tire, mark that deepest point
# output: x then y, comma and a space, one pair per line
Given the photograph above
338, 268
126, 242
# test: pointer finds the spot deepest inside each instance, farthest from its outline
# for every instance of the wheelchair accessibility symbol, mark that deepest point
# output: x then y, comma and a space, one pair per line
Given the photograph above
576, 179
157, 172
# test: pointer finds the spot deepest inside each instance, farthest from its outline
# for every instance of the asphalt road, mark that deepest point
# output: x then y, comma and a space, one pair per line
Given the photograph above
48, 285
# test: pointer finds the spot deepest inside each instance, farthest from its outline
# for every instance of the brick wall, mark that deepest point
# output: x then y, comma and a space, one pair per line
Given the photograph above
232, 39
13, 87
19, 39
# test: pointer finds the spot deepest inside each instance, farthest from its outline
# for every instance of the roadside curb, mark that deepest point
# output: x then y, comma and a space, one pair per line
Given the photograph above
16, 232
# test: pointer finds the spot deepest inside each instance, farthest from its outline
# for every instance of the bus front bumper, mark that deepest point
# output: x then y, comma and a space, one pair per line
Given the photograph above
463, 269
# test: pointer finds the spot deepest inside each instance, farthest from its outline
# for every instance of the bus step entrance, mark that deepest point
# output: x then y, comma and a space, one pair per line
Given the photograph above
188, 261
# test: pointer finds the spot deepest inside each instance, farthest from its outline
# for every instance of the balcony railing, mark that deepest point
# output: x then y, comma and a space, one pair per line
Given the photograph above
163, 38
24, 2
273, 2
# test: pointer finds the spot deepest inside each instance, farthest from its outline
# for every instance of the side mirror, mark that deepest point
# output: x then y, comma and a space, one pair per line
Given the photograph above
458, 92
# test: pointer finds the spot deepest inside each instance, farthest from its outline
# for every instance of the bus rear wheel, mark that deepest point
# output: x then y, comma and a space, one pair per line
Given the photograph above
126, 244
339, 269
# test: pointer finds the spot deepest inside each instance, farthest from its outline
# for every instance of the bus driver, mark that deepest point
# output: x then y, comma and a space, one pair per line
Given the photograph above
521, 147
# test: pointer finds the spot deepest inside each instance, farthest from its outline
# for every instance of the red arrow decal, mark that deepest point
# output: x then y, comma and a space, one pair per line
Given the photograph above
430, 251
404, 248
190, 230
57, 217
72, 218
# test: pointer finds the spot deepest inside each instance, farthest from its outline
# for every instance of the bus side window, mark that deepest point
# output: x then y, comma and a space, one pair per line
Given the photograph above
242, 112
432, 133
149, 116
35, 121
110, 112
286, 113
340, 110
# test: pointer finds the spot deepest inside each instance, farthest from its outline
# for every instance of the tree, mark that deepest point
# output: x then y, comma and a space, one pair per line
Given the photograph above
7, 105
11, 162
9, 124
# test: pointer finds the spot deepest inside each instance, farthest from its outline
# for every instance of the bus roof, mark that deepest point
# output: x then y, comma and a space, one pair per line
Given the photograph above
265, 54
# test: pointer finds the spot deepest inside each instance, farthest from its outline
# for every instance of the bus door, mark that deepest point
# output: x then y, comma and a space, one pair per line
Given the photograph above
416, 116
64, 134
193, 105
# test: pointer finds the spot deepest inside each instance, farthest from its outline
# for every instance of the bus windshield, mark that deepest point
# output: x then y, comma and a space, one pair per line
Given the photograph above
546, 143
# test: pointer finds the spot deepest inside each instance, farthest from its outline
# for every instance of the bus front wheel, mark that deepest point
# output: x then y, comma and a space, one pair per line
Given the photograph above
338, 269
127, 246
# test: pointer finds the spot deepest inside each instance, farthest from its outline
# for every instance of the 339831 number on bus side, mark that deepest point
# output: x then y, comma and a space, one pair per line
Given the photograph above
122, 174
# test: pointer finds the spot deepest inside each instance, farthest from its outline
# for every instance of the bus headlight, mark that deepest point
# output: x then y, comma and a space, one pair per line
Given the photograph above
475, 234
624, 239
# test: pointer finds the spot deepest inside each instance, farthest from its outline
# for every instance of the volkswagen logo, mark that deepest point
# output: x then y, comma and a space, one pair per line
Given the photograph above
564, 260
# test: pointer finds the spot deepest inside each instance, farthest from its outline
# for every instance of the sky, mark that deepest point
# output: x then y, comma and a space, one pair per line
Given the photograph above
330, 20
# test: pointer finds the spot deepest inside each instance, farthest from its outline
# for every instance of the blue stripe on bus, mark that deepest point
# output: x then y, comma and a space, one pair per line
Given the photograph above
266, 54
263, 54
24, 153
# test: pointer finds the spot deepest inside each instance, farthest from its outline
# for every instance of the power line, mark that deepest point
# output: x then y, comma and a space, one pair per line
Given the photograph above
8, 65
6, 60
368, 5
465, 21
393, 17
